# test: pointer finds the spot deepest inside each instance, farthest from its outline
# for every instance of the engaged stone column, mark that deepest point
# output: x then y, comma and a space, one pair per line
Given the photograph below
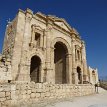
48, 54
53, 64
69, 68
74, 70
75, 76
32, 37
41, 75
81, 78
27, 32
23, 74
41, 40
85, 70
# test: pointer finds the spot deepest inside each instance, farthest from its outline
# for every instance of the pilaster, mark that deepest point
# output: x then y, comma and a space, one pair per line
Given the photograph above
75, 76
23, 67
69, 68
48, 54
74, 71
85, 70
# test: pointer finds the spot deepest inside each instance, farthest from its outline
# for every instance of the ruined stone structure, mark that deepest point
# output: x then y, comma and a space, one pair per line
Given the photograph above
43, 57
93, 75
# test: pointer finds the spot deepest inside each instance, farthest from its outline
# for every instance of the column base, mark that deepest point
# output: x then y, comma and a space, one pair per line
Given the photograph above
23, 77
75, 78
50, 78
85, 79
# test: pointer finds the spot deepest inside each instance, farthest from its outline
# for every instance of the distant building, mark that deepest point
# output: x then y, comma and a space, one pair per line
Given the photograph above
93, 76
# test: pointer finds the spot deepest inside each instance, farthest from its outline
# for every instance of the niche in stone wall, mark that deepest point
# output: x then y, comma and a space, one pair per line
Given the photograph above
77, 53
79, 75
37, 39
37, 36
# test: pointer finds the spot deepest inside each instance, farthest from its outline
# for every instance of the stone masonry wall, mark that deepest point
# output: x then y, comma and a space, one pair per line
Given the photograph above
5, 69
23, 94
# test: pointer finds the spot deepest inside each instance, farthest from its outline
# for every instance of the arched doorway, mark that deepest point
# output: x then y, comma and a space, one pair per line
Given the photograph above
35, 69
79, 75
60, 62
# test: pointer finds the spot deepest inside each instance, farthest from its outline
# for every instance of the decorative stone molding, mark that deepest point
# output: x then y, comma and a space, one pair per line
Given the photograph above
63, 41
29, 14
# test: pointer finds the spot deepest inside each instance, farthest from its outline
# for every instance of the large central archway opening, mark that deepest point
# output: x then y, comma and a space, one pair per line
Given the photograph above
35, 69
60, 62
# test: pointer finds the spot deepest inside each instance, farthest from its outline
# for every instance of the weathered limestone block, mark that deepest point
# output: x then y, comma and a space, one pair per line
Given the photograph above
24, 96
42, 95
18, 92
20, 97
8, 97
35, 100
18, 87
28, 96
33, 90
40, 85
23, 87
2, 94
37, 95
47, 94
8, 102
47, 89
1, 88
13, 87
33, 95
39, 90
7, 88
32, 84
2, 99
23, 92
29, 91
28, 87
8, 94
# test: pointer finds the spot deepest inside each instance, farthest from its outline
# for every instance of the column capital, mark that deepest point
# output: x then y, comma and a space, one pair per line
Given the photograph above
68, 55
29, 15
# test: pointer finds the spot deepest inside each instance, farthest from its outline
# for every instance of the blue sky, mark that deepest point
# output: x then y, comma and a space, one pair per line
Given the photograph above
89, 17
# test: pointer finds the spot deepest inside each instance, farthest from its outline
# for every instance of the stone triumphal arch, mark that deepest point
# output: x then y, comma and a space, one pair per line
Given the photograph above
43, 58
45, 48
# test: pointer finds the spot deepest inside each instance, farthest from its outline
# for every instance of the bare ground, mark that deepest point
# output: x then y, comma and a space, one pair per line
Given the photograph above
96, 100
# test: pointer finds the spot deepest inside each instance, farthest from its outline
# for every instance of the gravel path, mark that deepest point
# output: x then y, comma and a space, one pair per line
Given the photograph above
96, 100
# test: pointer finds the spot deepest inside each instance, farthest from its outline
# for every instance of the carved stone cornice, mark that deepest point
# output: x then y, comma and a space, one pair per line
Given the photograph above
36, 27
28, 18
29, 11
29, 15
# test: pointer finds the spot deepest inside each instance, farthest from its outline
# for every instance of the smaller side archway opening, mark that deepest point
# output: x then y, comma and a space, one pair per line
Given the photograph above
79, 75
35, 69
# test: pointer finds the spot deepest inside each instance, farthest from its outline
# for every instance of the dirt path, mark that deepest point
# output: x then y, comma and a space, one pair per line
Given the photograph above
97, 100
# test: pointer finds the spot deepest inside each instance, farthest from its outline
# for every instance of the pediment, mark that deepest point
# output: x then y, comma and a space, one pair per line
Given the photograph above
63, 24
37, 27
60, 22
